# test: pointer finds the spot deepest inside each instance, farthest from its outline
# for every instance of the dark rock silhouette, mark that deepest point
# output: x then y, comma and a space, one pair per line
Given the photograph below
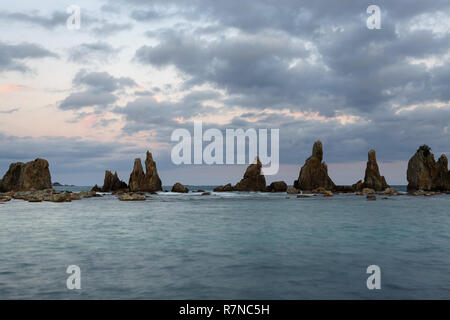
424, 173
148, 181
277, 186
314, 173
253, 179
178, 187
112, 182
33, 175
225, 188
372, 178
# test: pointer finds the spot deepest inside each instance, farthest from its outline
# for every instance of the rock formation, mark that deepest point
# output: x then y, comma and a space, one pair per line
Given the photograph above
225, 188
426, 174
178, 187
148, 181
34, 175
314, 173
112, 182
253, 179
372, 177
277, 186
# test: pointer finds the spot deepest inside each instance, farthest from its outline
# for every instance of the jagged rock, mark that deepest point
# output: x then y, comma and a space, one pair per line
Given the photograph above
112, 182
132, 197
390, 192
96, 188
372, 177
426, 174
225, 188
277, 186
253, 179
178, 187
5, 198
61, 197
292, 190
367, 191
33, 175
314, 173
148, 181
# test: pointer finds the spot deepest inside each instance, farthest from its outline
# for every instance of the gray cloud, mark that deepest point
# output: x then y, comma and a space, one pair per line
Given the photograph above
9, 111
92, 52
99, 90
13, 55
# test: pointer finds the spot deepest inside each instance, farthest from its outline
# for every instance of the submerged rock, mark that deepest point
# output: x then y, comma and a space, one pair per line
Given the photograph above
424, 173
371, 197
314, 173
33, 175
277, 186
178, 187
225, 188
253, 179
292, 190
148, 181
132, 197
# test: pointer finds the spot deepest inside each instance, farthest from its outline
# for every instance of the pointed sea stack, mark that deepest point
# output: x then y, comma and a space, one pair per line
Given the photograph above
314, 173
424, 173
148, 181
253, 179
33, 175
372, 178
112, 182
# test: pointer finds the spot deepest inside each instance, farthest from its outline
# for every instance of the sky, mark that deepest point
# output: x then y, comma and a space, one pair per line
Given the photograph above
95, 98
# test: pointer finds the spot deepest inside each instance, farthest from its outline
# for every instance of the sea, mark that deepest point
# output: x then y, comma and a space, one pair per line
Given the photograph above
240, 245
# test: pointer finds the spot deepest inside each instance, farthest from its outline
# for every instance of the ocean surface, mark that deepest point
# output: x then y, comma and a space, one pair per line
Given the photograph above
226, 246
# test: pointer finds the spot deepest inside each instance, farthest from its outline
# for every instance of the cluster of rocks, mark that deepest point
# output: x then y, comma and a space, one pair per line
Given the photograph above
32, 181
49, 195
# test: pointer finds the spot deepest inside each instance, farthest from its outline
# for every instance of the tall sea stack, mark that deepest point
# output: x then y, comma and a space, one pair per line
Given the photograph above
424, 173
112, 182
314, 173
33, 175
372, 178
148, 181
253, 179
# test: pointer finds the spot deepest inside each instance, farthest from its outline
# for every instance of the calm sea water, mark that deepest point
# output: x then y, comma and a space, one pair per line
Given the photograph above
226, 246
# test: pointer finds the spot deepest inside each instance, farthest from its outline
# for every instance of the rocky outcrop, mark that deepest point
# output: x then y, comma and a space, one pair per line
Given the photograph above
112, 183
253, 179
34, 175
424, 173
372, 178
148, 181
292, 190
178, 187
277, 186
132, 197
225, 188
314, 173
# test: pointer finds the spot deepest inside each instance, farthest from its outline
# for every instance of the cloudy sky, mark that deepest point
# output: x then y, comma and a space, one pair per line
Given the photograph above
98, 97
